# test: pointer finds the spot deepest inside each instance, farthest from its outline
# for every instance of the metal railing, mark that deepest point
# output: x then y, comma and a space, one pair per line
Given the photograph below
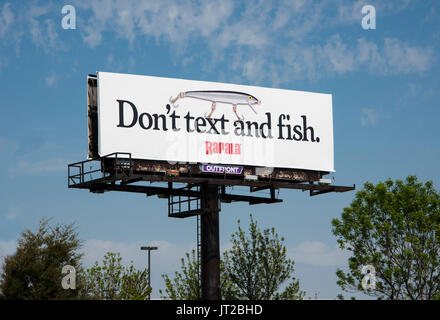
181, 206
98, 168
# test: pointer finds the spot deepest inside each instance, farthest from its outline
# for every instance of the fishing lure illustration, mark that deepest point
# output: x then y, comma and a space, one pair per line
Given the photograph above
226, 97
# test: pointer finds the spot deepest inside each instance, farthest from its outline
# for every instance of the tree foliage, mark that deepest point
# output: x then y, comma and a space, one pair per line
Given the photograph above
257, 265
395, 227
185, 285
113, 281
34, 270
254, 268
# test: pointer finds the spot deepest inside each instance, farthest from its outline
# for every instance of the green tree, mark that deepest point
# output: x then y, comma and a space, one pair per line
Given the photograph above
255, 268
395, 227
257, 265
34, 270
185, 284
113, 281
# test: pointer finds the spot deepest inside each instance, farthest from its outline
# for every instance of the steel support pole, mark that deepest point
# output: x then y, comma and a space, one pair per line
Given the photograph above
210, 241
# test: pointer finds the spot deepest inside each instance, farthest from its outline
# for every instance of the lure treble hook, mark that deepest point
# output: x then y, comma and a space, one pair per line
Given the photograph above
234, 108
212, 111
173, 100
250, 106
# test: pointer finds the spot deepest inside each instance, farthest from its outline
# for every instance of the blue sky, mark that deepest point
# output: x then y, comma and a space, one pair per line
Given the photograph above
384, 82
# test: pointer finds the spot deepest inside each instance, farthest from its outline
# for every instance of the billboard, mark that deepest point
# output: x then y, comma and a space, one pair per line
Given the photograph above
202, 122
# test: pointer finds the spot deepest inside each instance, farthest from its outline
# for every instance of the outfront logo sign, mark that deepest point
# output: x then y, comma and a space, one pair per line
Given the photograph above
217, 123
212, 168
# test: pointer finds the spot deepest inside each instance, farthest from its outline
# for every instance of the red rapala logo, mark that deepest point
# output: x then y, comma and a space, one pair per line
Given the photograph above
221, 147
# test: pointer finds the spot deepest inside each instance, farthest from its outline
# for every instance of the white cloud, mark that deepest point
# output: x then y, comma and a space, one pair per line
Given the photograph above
317, 253
350, 12
368, 53
170, 21
52, 164
94, 250
340, 58
44, 159
6, 19
284, 13
35, 22
264, 41
41, 31
369, 117
50, 80
6, 248
44, 34
335, 56
13, 212
164, 260
402, 58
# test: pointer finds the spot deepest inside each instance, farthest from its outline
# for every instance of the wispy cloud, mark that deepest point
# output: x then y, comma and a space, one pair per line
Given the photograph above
403, 58
166, 258
43, 31
317, 253
35, 22
167, 21
7, 19
282, 33
335, 57
369, 117
6, 248
13, 213
50, 80
264, 41
340, 57
52, 164
46, 158
415, 93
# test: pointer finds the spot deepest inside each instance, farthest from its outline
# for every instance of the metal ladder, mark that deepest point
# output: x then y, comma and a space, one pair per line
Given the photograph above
199, 252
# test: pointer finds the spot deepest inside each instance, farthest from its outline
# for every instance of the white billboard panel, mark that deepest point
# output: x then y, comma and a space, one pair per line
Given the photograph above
208, 122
